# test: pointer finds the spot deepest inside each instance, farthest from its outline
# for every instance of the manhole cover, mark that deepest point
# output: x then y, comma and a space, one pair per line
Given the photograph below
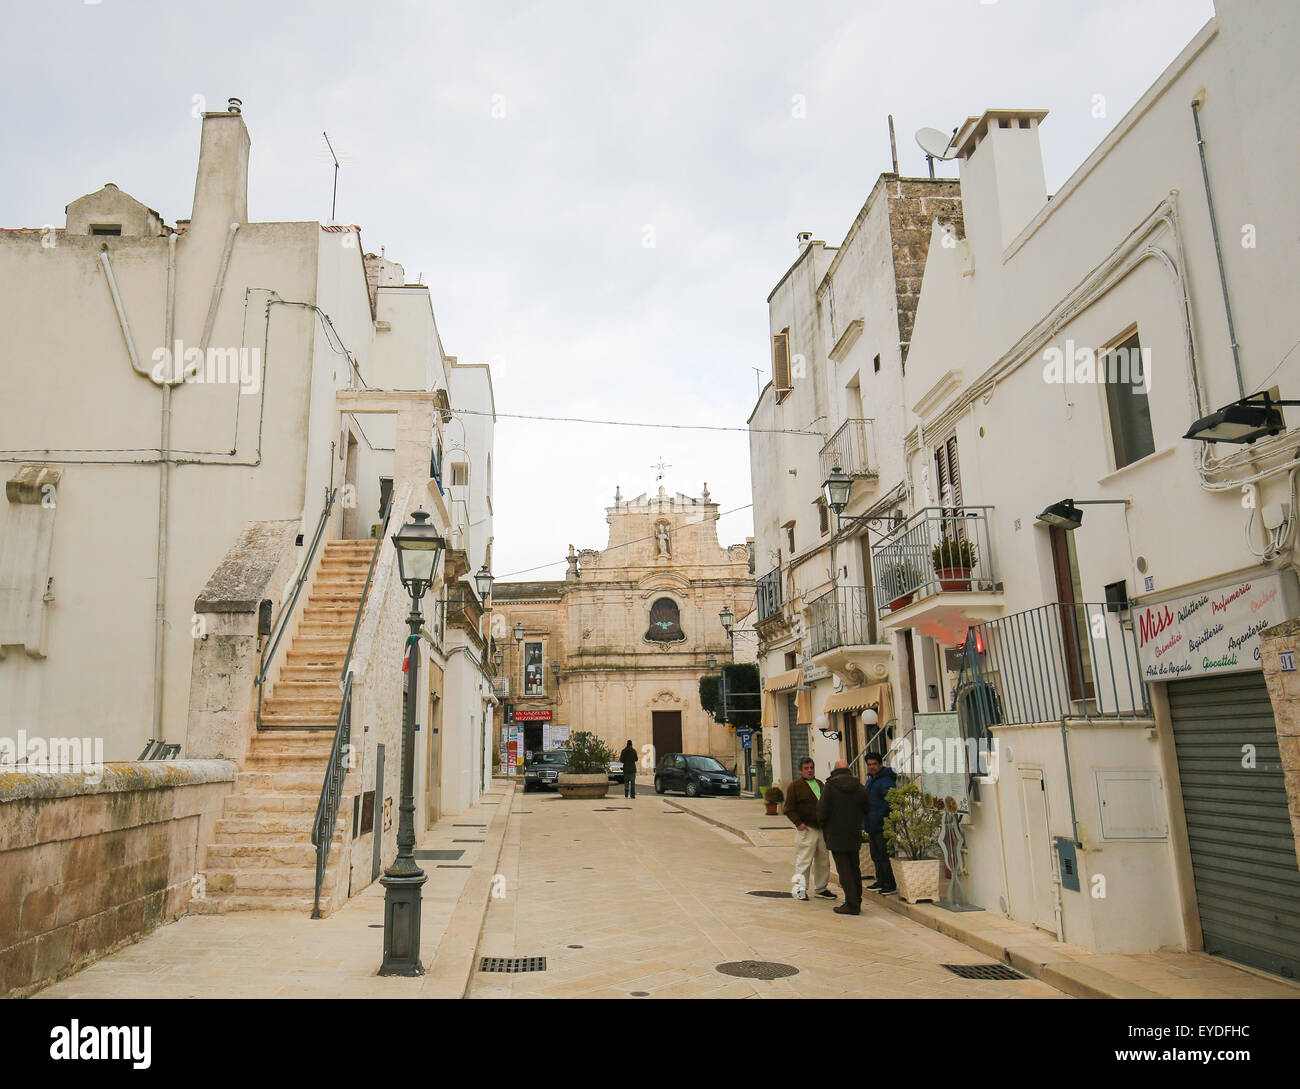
768, 892
757, 969
983, 971
512, 964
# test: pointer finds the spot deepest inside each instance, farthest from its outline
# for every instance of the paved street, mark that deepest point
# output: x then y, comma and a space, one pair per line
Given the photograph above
654, 899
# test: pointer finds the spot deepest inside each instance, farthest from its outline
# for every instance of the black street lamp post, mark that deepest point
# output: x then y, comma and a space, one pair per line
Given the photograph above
418, 548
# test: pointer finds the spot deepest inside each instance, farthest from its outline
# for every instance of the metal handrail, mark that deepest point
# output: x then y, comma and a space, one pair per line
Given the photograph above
331, 792
904, 565
286, 611
365, 590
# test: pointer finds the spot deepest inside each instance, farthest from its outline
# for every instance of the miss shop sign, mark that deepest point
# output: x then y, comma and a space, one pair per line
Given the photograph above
1215, 631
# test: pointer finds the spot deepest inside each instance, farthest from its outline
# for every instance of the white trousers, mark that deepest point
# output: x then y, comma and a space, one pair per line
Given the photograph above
812, 863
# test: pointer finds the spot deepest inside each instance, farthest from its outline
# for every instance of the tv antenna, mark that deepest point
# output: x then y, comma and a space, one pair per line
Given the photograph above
334, 200
936, 146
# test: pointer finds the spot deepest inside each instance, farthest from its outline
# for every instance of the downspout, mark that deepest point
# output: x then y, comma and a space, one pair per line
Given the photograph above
1218, 250
121, 315
164, 496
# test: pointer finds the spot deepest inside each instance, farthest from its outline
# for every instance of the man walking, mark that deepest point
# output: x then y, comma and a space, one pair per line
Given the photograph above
841, 810
880, 780
629, 758
812, 868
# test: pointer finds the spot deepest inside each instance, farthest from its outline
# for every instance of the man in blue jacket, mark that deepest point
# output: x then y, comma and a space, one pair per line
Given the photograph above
880, 780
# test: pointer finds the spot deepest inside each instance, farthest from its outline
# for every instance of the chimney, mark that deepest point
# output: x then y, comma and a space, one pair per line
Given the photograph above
802, 239
1002, 181
221, 185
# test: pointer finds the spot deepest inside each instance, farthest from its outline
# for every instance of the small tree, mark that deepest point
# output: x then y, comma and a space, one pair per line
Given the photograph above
912, 826
587, 754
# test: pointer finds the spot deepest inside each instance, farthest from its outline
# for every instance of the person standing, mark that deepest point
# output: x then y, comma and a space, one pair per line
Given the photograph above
629, 757
880, 780
812, 868
841, 810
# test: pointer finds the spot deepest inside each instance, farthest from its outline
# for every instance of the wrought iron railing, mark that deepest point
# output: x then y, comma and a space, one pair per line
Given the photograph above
842, 617
938, 549
850, 449
767, 591
331, 791
1058, 661
281, 623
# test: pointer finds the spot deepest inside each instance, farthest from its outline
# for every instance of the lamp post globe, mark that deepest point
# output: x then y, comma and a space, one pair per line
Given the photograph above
519, 631
836, 488
418, 549
483, 582
727, 617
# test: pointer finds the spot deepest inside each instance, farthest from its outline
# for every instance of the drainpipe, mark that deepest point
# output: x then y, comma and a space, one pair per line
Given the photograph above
1069, 785
164, 496
1218, 250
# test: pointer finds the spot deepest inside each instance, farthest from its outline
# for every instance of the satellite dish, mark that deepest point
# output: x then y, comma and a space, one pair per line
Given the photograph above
934, 143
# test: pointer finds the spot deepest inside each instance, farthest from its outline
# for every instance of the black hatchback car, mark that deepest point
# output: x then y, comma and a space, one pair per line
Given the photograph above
694, 775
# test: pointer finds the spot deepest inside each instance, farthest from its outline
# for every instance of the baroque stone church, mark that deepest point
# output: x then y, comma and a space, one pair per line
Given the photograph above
619, 645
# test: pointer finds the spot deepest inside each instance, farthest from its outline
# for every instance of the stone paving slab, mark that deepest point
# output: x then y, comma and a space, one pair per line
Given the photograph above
1070, 968
287, 954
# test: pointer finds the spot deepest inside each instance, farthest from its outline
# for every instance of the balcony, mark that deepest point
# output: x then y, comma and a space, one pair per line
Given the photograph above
464, 610
937, 573
852, 449
1055, 662
843, 635
768, 595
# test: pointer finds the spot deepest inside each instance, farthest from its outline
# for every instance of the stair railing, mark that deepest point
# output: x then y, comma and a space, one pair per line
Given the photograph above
331, 792
281, 624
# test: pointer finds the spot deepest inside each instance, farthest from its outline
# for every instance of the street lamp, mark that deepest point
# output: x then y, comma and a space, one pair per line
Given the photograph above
418, 548
836, 490
483, 582
519, 631
1242, 422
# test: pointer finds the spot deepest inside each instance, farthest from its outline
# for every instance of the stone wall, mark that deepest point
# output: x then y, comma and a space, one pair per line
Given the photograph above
88, 867
1284, 691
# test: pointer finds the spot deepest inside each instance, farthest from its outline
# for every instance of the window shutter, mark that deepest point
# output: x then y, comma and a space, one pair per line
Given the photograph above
781, 363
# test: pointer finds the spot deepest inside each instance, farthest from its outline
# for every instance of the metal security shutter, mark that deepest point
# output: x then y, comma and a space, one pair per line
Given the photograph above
798, 734
1243, 851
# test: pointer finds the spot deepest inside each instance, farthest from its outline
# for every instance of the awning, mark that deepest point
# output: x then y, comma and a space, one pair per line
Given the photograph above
783, 682
786, 682
859, 699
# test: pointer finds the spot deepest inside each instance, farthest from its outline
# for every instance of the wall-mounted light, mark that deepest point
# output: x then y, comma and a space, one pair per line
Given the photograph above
1063, 514
519, 631
871, 715
1243, 421
823, 725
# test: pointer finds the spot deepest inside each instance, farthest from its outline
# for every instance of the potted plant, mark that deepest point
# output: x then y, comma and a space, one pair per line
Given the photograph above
912, 833
898, 574
772, 797
953, 559
586, 774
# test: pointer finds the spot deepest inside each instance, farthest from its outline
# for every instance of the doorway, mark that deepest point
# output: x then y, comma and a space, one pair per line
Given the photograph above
433, 784
666, 729
350, 511
1038, 849
1075, 643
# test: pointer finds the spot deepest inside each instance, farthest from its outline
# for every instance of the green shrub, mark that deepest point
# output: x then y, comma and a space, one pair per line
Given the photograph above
588, 754
912, 826
954, 552
773, 795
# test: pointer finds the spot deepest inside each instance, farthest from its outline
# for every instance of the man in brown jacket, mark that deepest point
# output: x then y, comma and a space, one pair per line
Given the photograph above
812, 867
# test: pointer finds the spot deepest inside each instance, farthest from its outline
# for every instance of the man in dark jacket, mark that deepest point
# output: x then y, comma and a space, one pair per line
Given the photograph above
880, 780
841, 811
812, 868
629, 757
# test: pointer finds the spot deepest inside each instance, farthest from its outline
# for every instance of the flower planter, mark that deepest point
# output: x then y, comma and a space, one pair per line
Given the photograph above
917, 880
583, 786
953, 578
770, 808
900, 602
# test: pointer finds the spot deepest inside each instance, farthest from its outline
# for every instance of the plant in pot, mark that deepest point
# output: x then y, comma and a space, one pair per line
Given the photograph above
586, 773
953, 559
772, 797
899, 574
912, 833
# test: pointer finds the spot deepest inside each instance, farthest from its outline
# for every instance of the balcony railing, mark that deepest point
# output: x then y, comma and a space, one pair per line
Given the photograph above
842, 617
851, 448
768, 593
905, 563
1064, 660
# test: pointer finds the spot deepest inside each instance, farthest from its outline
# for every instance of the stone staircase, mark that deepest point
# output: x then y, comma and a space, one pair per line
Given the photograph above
261, 856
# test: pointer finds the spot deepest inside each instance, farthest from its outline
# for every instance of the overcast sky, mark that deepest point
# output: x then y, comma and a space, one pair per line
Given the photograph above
600, 195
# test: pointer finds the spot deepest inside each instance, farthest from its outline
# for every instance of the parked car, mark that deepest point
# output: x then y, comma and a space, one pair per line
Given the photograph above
616, 771
694, 775
544, 770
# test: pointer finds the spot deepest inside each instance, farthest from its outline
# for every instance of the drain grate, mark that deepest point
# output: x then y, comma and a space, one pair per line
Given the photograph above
757, 969
984, 971
512, 964
454, 866
774, 827
467, 841
439, 856
768, 892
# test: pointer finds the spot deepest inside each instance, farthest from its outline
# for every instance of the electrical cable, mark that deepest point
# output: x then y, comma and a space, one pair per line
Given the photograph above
635, 423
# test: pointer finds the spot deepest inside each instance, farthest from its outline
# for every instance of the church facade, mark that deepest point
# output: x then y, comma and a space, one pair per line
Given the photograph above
619, 645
